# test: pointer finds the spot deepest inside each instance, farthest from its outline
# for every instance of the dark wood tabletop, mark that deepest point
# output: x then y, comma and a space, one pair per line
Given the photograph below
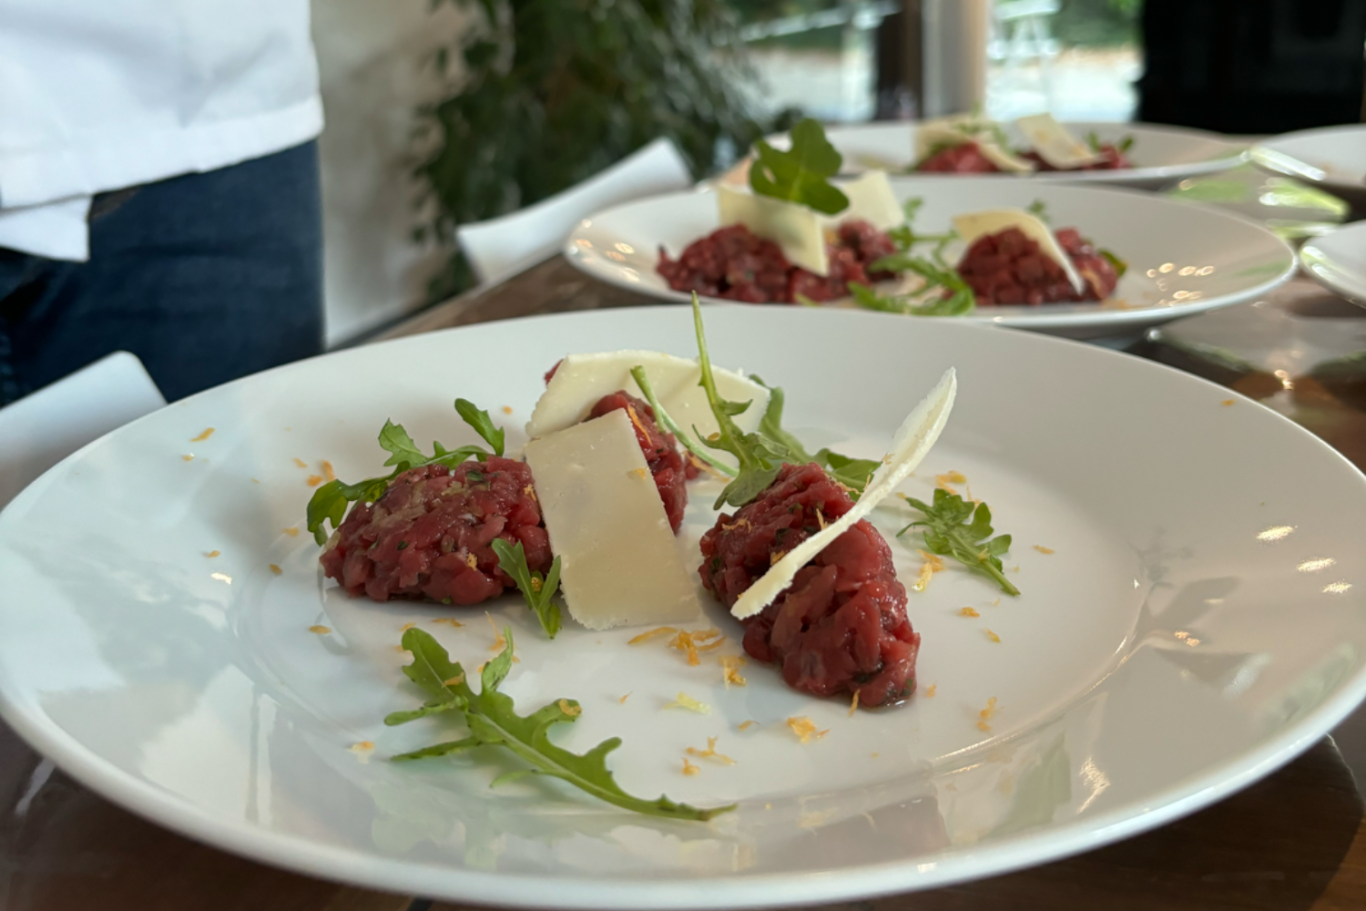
1295, 840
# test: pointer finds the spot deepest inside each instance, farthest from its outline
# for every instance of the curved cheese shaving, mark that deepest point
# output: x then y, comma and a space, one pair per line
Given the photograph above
1054, 143
582, 379
979, 224
912, 441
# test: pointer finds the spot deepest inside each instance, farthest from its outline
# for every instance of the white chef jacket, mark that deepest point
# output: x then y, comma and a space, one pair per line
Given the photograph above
100, 95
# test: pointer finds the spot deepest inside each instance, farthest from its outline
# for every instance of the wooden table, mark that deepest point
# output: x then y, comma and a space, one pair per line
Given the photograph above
1296, 840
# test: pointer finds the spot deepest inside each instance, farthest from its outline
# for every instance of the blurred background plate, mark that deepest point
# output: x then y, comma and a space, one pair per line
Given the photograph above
1338, 261
1183, 258
1331, 158
1160, 154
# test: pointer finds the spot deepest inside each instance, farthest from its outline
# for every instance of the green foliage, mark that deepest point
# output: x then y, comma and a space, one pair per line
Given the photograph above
537, 590
554, 91
493, 721
957, 528
800, 174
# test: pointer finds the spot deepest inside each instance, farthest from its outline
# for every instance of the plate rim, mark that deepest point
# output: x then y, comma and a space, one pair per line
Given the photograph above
1037, 318
299, 854
1317, 262
1338, 188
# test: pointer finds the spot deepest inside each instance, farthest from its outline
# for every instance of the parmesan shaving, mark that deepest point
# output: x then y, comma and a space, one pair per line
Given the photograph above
208, 432
689, 768
992, 636
914, 438
455, 681
213, 553
968, 612
300, 462
320, 630
314, 480
684, 701
405, 627
581, 380
746, 725
986, 714
1044, 550
710, 753
292, 531
853, 705
570, 709
623, 699
451, 620
805, 728
661, 631
730, 670
931, 690
275, 569
932, 565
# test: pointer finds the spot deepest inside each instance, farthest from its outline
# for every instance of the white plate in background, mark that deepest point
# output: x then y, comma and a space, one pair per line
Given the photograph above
1200, 620
1338, 261
1330, 158
1161, 154
1183, 258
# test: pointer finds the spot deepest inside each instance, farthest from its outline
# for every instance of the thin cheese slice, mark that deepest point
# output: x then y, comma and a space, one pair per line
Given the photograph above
797, 230
582, 379
1054, 143
963, 128
1004, 160
619, 563
977, 224
915, 437
871, 199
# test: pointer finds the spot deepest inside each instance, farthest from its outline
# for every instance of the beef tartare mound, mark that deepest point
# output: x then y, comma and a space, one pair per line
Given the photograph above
1009, 268
429, 536
967, 158
667, 466
841, 626
963, 158
735, 264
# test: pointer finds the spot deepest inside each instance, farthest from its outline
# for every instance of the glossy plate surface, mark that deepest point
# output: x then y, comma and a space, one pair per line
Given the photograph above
1338, 261
1161, 155
1330, 158
1183, 258
1193, 570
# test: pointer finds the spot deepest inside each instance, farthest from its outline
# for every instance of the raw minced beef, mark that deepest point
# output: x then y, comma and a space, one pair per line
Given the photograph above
1009, 268
841, 626
430, 534
735, 264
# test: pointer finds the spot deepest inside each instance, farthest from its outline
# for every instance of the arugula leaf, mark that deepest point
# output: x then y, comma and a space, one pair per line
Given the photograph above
539, 591
772, 422
1093, 141
1039, 210
329, 502
668, 423
852, 473
1125, 144
492, 720
956, 528
800, 174
959, 301
482, 424
1119, 265
760, 458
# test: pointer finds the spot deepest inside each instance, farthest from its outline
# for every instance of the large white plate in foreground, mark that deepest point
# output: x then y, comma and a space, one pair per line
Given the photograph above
1331, 158
1183, 258
1200, 620
1161, 155
1338, 261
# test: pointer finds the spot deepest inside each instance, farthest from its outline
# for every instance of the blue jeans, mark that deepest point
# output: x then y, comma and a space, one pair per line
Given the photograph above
205, 277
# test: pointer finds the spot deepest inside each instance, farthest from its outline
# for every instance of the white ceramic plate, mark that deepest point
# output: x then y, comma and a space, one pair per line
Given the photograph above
1183, 258
1331, 158
1200, 620
1338, 261
1161, 155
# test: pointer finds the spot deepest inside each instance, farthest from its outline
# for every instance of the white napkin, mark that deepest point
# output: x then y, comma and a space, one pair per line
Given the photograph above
40, 430
505, 246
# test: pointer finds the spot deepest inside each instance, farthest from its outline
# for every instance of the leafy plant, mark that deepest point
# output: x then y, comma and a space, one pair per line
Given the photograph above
492, 720
328, 503
954, 527
554, 91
